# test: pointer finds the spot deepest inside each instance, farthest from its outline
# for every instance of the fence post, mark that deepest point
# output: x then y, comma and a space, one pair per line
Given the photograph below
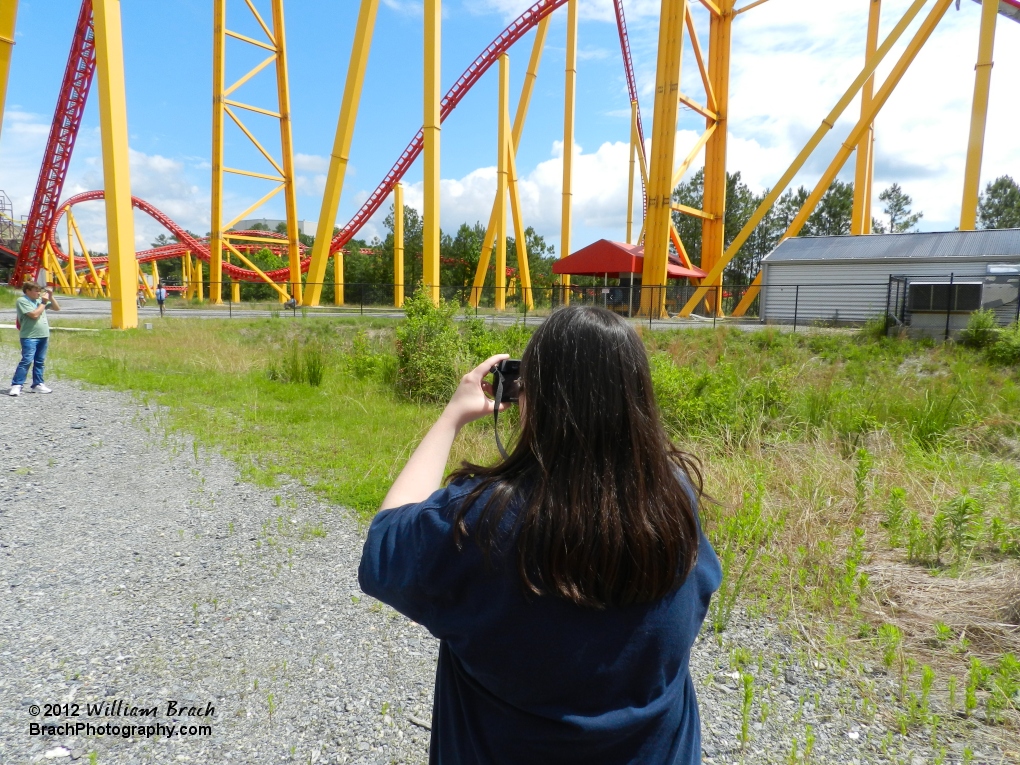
361, 298
949, 305
230, 304
1017, 319
525, 291
717, 305
888, 306
796, 305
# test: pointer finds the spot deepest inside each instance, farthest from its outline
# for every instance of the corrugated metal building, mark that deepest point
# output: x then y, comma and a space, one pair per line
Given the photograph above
850, 279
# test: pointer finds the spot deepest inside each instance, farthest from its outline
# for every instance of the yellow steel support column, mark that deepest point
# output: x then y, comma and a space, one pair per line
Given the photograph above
978, 116
660, 173
520, 238
431, 128
8, 17
219, 83
713, 229
569, 100
827, 124
85, 251
634, 141
338, 277
155, 274
72, 276
860, 222
199, 281
519, 118
225, 104
58, 272
501, 180
120, 225
339, 297
287, 150
341, 149
235, 291
398, 245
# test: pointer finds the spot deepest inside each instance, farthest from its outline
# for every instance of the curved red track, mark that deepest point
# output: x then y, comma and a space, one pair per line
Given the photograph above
74, 90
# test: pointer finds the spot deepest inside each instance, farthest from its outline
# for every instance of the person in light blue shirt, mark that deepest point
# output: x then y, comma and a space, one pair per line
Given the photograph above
34, 331
161, 297
568, 582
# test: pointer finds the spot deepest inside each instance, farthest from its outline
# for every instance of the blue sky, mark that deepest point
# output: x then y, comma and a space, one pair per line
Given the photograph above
792, 60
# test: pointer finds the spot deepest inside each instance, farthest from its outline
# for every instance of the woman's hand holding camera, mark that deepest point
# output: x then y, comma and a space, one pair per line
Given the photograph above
423, 473
473, 398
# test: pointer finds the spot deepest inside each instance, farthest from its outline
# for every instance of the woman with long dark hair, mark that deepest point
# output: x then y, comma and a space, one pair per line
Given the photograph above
568, 582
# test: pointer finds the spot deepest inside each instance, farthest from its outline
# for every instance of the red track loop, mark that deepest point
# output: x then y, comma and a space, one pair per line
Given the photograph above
185, 241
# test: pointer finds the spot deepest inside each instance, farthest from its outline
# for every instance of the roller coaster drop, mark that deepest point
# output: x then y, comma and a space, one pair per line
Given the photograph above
658, 174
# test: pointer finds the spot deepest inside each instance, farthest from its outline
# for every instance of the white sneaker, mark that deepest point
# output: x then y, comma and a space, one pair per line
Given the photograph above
40, 388
15, 390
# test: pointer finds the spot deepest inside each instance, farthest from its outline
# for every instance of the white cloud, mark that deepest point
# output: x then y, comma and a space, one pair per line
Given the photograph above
310, 163
407, 8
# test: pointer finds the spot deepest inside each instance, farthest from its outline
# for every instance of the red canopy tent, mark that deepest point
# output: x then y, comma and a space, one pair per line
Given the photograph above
611, 259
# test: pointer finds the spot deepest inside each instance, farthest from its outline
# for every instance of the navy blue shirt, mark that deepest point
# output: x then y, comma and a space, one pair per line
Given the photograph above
528, 679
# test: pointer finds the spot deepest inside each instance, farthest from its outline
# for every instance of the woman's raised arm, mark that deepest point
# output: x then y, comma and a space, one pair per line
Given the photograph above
423, 472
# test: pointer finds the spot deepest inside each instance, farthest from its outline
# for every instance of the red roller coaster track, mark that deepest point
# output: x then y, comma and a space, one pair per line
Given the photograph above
67, 118
74, 91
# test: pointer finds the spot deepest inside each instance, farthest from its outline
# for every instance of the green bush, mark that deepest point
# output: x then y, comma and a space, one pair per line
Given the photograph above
485, 340
429, 349
981, 330
1006, 349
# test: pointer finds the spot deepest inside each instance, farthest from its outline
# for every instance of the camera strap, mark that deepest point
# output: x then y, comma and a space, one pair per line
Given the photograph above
495, 413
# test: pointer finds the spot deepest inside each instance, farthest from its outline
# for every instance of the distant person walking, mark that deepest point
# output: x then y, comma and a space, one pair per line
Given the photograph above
161, 297
35, 336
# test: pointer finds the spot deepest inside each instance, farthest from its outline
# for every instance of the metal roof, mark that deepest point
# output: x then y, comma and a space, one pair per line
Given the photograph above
980, 245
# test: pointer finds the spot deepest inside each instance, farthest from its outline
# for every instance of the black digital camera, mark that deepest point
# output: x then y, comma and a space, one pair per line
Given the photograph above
506, 381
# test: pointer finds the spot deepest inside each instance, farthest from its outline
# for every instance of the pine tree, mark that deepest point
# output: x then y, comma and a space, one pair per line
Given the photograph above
1000, 204
897, 207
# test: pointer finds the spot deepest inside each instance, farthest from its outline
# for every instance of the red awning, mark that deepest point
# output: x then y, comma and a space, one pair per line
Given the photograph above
606, 258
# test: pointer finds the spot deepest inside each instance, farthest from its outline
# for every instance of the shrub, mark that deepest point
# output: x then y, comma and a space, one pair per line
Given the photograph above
874, 328
981, 330
1006, 348
363, 361
484, 340
428, 349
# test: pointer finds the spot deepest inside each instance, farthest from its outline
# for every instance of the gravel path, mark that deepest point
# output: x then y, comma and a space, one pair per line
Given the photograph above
135, 568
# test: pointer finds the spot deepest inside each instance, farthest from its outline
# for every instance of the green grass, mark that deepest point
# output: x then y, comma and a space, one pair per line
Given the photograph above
8, 297
849, 471
346, 437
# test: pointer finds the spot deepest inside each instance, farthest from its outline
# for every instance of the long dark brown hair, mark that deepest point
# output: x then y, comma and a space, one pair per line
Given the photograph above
606, 505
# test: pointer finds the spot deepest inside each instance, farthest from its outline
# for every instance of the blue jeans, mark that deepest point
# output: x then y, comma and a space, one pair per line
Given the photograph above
33, 353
